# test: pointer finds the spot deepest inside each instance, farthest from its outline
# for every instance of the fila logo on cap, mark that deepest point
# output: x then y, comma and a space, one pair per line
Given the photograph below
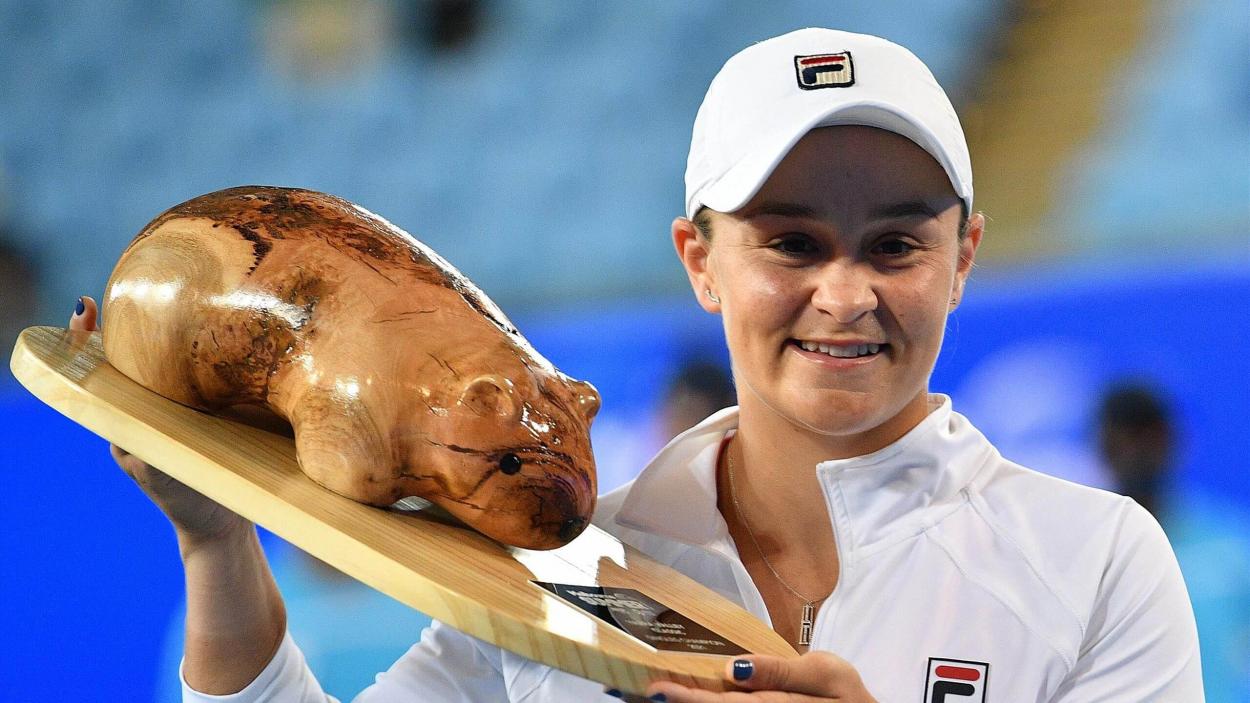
956, 681
825, 71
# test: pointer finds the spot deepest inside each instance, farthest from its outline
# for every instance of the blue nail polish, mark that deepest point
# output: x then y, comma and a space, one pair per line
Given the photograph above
743, 669
78, 309
658, 698
614, 693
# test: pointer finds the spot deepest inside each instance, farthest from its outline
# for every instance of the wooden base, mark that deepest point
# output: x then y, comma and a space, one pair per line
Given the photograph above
434, 565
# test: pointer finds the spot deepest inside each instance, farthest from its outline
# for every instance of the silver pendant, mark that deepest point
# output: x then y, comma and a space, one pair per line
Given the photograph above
805, 625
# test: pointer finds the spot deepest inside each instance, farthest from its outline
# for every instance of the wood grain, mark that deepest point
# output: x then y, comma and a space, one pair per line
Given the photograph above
440, 568
398, 376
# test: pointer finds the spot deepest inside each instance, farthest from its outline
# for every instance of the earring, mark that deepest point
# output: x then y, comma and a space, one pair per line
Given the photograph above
712, 297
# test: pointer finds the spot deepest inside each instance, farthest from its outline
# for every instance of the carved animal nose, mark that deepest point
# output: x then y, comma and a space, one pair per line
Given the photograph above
571, 528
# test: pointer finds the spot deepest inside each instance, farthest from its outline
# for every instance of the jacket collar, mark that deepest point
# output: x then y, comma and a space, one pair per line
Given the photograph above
893, 492
675, 494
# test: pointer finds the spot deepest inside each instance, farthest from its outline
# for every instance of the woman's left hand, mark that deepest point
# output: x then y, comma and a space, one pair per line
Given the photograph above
813, 677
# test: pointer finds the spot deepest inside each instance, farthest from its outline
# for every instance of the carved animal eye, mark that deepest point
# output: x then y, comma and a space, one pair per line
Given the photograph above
510, 463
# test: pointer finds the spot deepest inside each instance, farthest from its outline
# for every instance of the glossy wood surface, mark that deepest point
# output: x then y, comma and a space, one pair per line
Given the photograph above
445, 570
398, 375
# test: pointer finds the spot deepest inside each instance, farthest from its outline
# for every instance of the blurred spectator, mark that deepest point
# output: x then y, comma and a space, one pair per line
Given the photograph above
321, 41
442, 25
699, 388
1137, 439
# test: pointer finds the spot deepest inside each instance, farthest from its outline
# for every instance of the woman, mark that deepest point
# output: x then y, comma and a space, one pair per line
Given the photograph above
829, 223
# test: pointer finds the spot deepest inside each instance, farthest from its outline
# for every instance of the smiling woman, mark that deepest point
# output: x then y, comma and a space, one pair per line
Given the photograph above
829, 222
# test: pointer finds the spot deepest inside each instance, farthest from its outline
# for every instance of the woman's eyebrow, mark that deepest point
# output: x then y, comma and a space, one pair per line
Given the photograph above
778, 209
908, 208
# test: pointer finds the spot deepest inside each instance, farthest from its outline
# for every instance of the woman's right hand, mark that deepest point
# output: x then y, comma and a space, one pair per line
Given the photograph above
195, 518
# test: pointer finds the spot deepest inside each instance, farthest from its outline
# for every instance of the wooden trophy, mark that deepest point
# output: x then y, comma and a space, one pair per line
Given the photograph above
381, 374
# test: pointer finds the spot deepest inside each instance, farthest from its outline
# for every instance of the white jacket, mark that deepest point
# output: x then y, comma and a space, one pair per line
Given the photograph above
959, 571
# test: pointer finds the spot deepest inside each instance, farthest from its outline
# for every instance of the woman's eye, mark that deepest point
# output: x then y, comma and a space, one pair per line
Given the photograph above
794, 245
894, 247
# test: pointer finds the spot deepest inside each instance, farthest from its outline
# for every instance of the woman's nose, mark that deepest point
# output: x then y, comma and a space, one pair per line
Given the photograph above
844, 292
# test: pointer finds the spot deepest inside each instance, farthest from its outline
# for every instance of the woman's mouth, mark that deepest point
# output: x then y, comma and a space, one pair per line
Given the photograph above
841, 351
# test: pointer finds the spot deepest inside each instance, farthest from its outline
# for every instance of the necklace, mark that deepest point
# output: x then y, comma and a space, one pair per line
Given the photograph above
809, 604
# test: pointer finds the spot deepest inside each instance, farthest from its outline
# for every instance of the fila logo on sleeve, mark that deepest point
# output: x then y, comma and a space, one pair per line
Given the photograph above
956, 681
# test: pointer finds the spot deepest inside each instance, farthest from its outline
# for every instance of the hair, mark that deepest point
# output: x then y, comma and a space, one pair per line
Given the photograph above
1133, 406
703, 221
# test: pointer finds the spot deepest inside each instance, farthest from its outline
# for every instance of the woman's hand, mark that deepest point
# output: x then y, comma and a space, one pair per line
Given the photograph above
195, 518
813, 677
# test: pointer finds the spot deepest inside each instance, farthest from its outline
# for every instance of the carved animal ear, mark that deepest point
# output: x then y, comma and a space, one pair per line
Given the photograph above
587, 399
489, 394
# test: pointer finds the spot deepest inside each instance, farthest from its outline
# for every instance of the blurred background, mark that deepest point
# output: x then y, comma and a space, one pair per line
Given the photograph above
540, 147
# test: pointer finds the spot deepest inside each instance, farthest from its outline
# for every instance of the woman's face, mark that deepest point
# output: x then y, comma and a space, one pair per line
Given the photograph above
835, 281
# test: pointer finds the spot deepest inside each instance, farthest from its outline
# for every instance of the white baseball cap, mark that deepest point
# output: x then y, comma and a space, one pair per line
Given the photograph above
767, 96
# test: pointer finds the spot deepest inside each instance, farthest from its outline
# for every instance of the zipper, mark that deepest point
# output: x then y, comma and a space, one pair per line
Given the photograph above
828, 612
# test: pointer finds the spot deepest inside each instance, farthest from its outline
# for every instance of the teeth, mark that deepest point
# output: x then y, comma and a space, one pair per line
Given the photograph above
849, 352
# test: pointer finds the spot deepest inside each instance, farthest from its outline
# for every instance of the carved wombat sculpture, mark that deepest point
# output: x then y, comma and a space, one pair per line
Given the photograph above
398, 376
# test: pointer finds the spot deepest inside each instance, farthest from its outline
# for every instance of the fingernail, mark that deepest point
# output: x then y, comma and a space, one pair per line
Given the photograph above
614, 693
743, 669
658, 698
80, 307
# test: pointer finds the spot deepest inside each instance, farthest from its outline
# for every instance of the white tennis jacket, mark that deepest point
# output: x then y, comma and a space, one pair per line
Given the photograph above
964, 578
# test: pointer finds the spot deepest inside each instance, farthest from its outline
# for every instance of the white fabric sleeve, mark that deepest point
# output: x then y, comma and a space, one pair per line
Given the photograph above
286, 679
1141, 643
